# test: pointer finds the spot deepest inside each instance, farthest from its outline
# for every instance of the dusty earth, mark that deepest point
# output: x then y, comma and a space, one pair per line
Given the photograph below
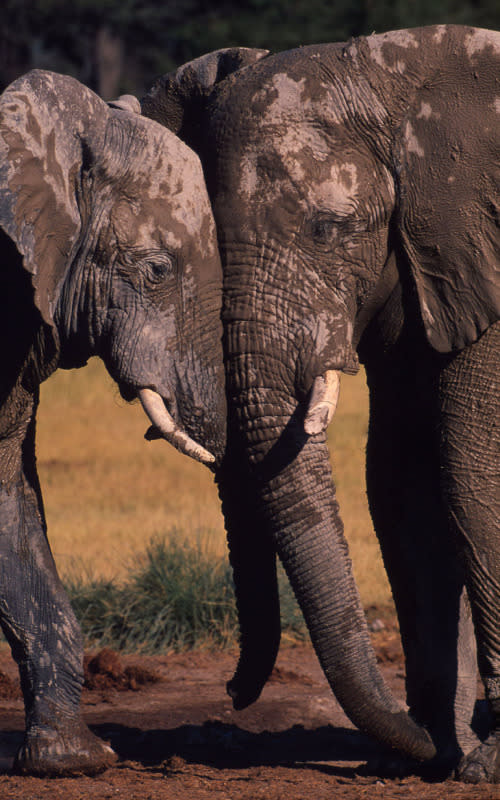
173, 726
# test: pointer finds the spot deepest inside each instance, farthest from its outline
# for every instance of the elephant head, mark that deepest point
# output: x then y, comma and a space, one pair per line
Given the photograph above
108, 213
336, 173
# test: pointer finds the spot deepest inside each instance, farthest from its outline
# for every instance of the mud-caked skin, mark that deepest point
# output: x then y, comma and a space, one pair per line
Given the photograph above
355, 191
108, 248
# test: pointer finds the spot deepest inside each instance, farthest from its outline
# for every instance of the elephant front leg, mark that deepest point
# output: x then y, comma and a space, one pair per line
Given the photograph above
470, 392
40, 626
424, 570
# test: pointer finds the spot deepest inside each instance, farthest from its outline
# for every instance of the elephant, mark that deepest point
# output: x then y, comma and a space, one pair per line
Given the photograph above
355, 193
109, 249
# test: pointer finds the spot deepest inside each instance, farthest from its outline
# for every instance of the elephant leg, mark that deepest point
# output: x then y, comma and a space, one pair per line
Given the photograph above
470, 391
39, 624
426, 576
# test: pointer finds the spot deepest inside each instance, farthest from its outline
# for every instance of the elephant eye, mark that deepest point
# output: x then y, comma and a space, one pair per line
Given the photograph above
158, 268
323, 227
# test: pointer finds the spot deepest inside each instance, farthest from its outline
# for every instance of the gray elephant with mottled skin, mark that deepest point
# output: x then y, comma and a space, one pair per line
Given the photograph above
108, 248
355, 191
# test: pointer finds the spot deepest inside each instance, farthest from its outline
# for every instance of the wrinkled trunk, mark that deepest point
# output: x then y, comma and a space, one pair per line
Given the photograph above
287, 505
253, 560
303, 520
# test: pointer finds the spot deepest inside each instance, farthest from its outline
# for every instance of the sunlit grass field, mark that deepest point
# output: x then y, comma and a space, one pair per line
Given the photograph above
108, 492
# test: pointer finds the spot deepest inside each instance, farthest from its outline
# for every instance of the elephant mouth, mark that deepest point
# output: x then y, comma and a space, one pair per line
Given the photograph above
163, 426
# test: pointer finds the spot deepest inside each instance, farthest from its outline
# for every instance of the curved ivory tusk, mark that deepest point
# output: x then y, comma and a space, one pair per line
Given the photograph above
323, 402
157, 412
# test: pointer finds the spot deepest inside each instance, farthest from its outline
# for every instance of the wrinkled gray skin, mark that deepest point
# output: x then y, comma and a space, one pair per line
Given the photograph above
355, 190
108, 248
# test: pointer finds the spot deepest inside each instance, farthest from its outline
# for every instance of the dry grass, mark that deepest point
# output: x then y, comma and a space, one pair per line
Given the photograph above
107, 492
347, 439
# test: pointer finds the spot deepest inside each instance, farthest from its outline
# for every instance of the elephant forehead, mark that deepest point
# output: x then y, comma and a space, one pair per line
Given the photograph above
291, 154
279, 157
339, 190
175, 172
477, 40
282, 94
388, 50
170, 201
150, 164
174, 222
307, 177
186, 202
293, 128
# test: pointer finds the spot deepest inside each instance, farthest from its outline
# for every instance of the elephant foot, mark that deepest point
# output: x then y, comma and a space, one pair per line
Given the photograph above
68, 750
483, 764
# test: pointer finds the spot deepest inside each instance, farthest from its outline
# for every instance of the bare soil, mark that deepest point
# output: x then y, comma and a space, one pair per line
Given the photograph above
173, 727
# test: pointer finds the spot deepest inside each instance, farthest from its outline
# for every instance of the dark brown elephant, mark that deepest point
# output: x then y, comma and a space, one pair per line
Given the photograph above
108, 248
355, 191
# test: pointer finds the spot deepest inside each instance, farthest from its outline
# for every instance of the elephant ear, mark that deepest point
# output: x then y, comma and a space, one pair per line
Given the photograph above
449, 174
44, 118
177, 99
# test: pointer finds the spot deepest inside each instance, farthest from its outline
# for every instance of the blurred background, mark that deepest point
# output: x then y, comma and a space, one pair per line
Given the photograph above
117, 46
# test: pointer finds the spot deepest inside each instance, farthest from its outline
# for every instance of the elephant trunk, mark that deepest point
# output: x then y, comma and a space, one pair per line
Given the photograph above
308, 534
251, 554
293, 503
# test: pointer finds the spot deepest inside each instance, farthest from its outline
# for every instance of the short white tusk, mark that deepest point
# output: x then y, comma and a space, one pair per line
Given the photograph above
157, 412
323, 402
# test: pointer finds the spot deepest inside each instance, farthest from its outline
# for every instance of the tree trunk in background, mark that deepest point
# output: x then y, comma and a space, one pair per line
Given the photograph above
108, 63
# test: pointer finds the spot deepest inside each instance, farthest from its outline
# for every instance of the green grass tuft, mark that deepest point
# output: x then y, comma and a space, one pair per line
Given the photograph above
180, 596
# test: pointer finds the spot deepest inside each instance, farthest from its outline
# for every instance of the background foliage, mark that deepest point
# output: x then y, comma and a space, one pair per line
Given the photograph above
118, 46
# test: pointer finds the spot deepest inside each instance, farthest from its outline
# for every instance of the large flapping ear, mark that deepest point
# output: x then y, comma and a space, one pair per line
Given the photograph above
44, 121
449, 177
177, 99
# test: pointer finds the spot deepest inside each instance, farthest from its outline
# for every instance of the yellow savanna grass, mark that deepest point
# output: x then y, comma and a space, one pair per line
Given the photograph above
107, 491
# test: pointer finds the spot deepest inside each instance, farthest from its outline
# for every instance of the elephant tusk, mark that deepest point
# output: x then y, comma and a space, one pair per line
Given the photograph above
323, 402
158, 414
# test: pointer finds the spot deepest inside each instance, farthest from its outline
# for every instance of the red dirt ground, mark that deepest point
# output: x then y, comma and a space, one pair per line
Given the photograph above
172, 724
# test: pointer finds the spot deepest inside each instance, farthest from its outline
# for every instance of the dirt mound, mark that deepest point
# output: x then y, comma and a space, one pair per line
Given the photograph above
281, 675
105, 671
9, 688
